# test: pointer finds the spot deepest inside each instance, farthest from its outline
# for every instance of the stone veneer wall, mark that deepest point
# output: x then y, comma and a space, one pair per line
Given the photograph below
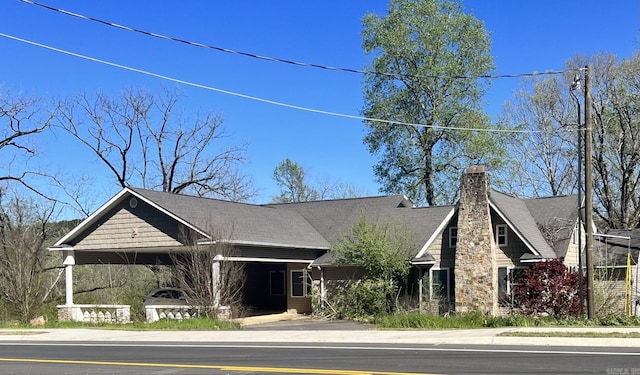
476, 276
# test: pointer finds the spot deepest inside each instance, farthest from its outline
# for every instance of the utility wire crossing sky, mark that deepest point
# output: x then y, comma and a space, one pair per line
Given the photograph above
320, 41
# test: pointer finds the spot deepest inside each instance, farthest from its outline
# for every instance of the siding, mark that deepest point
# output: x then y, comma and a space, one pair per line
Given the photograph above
571, 258
435, 249
342, 273
611, 293
277, 253
103, 257
506, 256
447, 256
509, 255
125, 228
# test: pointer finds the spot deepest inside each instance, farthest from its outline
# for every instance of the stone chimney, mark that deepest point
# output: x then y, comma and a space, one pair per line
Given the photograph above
476, 273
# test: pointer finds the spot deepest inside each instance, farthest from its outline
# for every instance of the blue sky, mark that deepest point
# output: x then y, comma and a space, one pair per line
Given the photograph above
527, 36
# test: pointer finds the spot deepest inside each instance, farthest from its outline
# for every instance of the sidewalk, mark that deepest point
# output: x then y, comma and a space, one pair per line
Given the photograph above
281, 335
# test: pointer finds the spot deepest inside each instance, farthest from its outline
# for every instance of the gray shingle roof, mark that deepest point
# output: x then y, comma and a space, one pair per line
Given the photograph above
558, 216
611, 249
319, 224
244, 223
528, 216
334, 218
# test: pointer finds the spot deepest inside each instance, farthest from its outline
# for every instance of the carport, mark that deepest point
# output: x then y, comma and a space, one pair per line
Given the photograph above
144, 227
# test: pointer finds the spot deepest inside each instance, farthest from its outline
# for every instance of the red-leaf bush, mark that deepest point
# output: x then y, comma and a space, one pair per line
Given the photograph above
548, 289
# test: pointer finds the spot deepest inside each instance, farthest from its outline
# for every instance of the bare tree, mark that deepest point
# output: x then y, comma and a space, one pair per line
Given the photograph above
550, 153
208, 277
144, 140
20, 119
616, 139
27, 275
544, 157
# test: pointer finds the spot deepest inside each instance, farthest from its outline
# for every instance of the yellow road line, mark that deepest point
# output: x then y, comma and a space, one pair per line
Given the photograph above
287, 370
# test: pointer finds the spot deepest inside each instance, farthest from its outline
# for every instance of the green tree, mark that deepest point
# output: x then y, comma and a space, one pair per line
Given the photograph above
295, 187
428, 56
292, 179
381, 250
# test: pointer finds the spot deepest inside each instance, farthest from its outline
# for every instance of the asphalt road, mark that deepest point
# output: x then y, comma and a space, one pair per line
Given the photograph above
21, 357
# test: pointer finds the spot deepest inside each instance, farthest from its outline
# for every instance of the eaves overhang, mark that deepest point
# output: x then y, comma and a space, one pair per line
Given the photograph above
513, 227
63, 243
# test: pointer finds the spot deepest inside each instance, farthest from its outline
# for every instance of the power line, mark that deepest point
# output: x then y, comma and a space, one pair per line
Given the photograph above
258, 99
280, 60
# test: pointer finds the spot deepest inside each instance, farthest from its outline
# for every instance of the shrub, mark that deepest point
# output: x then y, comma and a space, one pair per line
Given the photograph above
364, 299
381, 251
548, 289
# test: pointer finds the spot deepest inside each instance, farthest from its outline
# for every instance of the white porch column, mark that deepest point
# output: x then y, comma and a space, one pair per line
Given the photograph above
322, 288
215, 276
69, 262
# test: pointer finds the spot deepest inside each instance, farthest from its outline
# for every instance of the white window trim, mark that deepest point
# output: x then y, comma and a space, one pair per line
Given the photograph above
305, 283
431, 297
506, 236
509, 271
451, 244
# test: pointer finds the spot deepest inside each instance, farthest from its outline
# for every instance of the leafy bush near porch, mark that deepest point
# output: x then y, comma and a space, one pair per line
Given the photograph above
380, 249
361, 300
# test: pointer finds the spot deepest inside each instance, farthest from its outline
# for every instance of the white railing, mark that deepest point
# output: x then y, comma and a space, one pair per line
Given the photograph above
154, 313
110, 314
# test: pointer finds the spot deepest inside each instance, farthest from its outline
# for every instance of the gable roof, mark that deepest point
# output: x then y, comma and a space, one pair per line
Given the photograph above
333, 218
526, 217
318, 224
241, 223
559, 215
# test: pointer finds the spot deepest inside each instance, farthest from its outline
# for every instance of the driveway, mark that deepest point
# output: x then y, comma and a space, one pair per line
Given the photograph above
302, 323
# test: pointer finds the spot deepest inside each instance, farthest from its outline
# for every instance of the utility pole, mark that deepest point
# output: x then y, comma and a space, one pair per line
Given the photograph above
588, 192
576, 86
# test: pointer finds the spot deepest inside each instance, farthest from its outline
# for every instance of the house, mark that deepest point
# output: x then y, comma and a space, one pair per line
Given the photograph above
466, 252
615, 258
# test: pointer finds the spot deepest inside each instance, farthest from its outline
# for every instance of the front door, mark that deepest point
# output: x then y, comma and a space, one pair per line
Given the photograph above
266, 287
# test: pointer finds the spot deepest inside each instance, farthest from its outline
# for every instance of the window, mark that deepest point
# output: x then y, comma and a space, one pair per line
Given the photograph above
276, 282
453, 237
439, 285
507, 279
501, 235
300, 284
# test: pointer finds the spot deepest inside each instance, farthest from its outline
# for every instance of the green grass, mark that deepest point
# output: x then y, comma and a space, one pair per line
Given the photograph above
472, 321
195, 324
463, 321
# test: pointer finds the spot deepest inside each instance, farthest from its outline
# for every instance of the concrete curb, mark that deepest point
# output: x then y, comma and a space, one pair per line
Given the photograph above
491, 336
